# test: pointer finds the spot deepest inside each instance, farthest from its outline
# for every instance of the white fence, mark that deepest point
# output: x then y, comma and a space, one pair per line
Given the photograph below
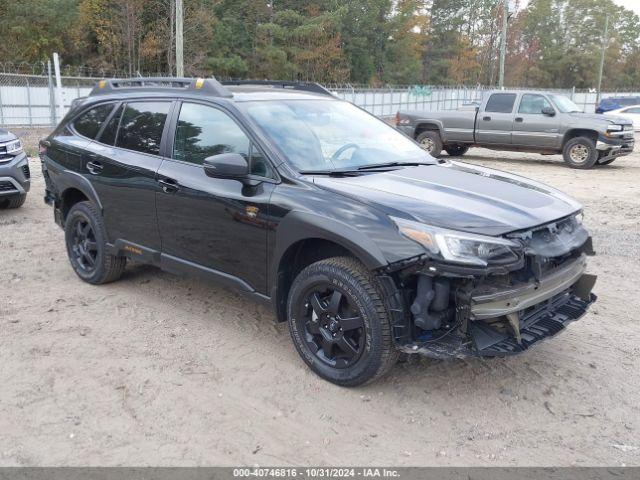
30, 100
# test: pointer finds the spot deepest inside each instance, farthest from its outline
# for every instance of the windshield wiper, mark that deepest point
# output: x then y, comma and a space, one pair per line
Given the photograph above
336, 173
393, 164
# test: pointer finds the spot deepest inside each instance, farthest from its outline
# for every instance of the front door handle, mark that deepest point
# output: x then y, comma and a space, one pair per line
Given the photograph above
168, 185
519, 119
486, 119
94, 167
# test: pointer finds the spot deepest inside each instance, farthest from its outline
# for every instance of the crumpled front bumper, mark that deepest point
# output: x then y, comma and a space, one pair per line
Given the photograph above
506, 321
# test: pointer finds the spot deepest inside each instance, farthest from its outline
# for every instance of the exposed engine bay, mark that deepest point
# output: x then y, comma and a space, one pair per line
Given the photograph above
458, 311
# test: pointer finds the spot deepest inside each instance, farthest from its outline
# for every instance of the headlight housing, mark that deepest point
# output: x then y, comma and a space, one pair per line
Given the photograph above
14, 147
460, 247
615, 128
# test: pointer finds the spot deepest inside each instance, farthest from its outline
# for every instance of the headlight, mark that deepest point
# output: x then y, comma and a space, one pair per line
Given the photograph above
14, 147
460, 247
615, 128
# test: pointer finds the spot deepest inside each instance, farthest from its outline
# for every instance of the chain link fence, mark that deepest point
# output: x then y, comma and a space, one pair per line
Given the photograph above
28, 95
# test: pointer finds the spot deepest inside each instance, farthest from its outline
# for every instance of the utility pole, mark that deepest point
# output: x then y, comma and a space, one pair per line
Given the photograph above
605, 40
59, 91
503, 43
179, 40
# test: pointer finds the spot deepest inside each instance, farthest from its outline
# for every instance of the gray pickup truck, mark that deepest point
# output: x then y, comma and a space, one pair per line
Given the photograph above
523, 121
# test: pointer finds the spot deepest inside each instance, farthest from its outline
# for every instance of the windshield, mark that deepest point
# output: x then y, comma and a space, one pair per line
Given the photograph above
564, 104
332, 135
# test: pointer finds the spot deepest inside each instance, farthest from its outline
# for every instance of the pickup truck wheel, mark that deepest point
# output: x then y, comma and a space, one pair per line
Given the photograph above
456, 150
14, 202
431, 142
339, 323
580, 152
85, 237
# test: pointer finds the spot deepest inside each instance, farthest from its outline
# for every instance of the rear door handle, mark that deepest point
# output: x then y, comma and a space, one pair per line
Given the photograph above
94, 167
486, 119
519, 119
168, 185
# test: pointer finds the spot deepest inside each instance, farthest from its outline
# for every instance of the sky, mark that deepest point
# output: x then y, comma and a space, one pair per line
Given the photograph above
630, 4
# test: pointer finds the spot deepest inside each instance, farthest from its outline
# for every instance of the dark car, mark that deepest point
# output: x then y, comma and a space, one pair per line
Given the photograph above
360, 240
614, 103
15, 177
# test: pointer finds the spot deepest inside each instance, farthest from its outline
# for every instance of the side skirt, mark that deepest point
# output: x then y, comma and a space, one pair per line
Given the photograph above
179, 266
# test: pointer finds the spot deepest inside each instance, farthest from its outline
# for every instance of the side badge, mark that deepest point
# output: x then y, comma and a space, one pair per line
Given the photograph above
252, 211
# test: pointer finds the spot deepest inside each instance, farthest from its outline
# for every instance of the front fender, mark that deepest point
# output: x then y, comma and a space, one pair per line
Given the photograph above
298, 225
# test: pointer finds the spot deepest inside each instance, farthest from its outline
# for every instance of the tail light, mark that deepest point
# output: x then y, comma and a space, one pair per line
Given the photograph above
42, 148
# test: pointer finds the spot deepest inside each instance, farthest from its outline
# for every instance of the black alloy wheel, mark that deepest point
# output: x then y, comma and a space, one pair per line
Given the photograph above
339, 322
85, 237
333, 328
84, 245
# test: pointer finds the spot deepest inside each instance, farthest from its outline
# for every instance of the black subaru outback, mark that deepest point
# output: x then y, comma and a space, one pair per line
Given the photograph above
362, 242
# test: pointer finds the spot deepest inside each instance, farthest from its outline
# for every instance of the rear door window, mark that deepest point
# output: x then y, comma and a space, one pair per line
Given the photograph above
108, 135
88, 123
501, 103
141, 126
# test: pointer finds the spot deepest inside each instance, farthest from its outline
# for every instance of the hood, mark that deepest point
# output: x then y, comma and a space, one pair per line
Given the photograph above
458, 196
600, 117
6, 136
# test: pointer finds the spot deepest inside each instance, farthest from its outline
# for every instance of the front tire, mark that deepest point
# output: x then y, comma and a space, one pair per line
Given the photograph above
15, 201
430, 141
85, 237
339, 323
580, 152
456, 150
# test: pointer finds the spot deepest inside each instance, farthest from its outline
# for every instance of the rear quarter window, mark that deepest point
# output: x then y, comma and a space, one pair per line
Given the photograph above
501, 103
88, 123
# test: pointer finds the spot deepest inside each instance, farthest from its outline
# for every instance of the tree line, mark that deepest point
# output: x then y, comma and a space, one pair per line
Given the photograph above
551, 43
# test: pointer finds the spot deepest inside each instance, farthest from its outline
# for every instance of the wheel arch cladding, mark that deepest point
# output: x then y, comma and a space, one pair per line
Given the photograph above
579, 132
428, 126
304, 238
73, 186
69, 198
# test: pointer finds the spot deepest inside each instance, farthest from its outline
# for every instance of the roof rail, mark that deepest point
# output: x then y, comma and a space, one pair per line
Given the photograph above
204, 86
300, 86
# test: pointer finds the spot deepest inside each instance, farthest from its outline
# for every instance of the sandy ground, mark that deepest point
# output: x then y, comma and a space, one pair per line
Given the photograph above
161, 370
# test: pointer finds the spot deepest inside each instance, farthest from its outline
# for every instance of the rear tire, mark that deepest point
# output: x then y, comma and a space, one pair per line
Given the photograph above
85, 237
15, 201
430, 141
456, 150
339, 323
580, 152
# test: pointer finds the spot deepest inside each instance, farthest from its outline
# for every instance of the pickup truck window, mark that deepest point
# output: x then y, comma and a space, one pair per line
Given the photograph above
501, 103
533, 104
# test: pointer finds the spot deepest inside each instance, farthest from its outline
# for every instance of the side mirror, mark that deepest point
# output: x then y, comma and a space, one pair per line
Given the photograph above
549, 111
226, 165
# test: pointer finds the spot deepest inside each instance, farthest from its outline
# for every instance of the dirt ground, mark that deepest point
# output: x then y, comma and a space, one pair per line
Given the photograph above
161, 370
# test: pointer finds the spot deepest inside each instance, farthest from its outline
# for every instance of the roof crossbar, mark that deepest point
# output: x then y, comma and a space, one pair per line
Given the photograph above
205, 86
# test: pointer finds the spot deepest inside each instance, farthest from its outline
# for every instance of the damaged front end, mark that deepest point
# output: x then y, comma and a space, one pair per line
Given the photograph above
521, 295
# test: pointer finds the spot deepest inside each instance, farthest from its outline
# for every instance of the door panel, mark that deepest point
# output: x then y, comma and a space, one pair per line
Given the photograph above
126, 185
531, 127
494, 123
122, 166
216, 223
